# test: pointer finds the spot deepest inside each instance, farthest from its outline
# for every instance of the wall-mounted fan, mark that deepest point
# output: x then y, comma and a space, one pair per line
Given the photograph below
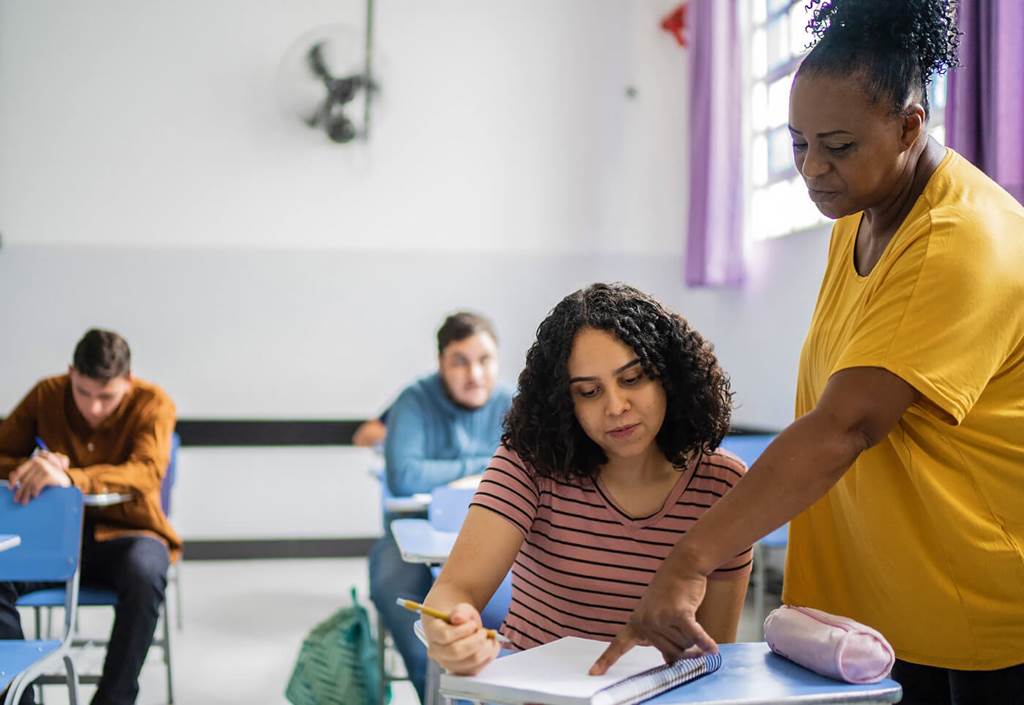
325, 80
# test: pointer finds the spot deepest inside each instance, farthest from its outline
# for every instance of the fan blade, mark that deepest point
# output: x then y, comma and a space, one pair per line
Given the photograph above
320, 115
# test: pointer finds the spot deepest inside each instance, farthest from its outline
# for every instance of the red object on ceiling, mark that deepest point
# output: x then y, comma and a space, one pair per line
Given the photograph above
675, 22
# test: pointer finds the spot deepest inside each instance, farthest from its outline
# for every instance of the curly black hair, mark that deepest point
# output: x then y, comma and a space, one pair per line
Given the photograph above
542, 425
896, 46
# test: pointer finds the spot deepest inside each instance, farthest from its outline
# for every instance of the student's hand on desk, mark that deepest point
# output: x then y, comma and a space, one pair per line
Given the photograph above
41, 470
461, 647
666, 618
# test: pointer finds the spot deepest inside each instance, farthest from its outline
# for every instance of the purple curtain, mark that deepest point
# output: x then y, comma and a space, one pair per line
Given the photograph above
985, 111
714, 237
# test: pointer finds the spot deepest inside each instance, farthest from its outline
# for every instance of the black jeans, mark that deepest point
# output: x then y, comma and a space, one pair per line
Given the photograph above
927, 685
136, 569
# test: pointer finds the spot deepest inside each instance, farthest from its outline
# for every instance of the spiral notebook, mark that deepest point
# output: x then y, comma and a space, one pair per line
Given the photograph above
556, 674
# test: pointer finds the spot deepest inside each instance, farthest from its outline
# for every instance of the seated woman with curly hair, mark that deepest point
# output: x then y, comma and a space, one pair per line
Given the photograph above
610, 453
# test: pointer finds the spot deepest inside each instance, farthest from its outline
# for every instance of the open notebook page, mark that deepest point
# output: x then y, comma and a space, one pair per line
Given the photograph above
554, 673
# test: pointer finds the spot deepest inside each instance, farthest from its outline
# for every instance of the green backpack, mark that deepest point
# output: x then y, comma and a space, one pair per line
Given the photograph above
337, 663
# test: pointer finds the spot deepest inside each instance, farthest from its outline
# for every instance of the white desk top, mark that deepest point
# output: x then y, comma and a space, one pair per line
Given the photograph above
416, 504
9, 541
105, 499
419, 542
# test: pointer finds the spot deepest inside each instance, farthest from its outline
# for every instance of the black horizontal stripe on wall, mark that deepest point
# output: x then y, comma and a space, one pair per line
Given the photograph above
244, 549
265, 432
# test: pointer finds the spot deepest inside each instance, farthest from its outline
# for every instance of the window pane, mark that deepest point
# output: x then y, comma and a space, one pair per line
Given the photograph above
778, 101
759, 54
759, 229
758, 11
759, 107
799, 37
778, 42
759, 160
779, 203
939, 133
937, 94
783, 208
804, 213
780, 151
772, 215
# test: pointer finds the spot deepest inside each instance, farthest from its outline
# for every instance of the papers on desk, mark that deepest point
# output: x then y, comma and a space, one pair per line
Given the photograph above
556, 674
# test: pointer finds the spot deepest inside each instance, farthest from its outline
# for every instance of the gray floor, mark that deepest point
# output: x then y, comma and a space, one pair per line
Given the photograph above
244, 623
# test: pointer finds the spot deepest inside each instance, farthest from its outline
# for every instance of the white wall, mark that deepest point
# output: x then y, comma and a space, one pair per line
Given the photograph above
149, 183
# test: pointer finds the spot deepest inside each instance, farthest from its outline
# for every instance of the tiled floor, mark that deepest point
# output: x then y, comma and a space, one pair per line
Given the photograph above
244, 623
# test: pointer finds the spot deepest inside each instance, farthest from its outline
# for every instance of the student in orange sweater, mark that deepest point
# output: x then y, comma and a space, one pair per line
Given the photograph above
103, 431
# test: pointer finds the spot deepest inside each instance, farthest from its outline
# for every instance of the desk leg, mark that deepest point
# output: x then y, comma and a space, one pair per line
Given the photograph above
433, 684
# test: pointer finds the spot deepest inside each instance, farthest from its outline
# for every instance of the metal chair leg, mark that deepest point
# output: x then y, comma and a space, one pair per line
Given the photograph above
179, 612
382, 634
72, 676
167, 654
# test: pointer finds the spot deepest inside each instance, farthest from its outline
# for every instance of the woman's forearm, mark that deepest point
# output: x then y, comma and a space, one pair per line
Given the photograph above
444, 595
796, 470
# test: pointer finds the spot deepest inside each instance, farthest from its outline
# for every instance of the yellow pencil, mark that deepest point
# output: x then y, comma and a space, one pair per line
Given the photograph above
431, 612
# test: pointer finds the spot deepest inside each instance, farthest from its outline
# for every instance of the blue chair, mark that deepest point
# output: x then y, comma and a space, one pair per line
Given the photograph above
91, 596
446, 512
50, 527
448, 509
749, 448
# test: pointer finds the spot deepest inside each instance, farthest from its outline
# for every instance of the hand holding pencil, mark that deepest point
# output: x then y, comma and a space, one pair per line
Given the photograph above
413, 606
457, 640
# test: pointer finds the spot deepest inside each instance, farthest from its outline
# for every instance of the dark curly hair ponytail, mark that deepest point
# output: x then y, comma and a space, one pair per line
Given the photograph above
542, 427
896, 46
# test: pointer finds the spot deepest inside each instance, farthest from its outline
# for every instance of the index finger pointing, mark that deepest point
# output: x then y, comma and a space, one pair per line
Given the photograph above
623, 642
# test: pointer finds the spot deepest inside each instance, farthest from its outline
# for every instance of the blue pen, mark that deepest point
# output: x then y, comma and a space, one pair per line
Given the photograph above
40, 445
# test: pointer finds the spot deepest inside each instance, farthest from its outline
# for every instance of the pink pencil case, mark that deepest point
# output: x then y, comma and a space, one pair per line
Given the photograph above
833, 646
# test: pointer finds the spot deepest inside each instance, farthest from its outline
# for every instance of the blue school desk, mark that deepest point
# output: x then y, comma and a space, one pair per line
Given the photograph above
752, 675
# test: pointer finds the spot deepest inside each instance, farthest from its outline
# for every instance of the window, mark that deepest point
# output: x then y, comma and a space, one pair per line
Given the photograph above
778, 203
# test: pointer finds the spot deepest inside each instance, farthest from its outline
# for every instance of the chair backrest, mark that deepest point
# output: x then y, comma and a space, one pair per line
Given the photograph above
50, 527
748, 447
448, 509
171, 476
449, 506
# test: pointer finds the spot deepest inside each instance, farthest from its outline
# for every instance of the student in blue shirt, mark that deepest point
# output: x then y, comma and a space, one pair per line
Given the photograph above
442, 428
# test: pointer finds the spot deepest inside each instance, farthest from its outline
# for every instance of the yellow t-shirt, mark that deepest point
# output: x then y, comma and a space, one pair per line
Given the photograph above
923, 538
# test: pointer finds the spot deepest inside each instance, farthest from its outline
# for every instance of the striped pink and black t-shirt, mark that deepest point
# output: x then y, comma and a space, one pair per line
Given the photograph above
585, 563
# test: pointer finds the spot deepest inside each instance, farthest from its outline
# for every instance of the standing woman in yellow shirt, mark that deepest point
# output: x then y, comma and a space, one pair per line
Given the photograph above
905, 467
